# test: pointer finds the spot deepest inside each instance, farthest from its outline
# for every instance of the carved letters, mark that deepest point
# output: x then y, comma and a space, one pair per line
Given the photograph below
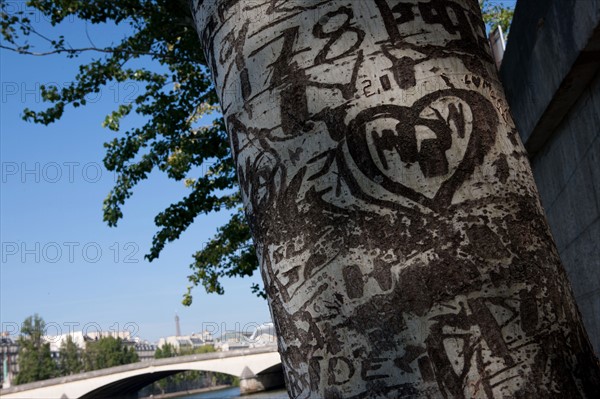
392, 208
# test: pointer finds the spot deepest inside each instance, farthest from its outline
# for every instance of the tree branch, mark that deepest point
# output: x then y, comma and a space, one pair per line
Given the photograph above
83, 49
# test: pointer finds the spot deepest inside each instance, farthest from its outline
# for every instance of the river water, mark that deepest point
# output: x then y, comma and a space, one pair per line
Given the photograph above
229, 393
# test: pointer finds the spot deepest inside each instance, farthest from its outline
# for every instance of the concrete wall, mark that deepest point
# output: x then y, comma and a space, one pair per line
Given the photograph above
551, 77
267, 380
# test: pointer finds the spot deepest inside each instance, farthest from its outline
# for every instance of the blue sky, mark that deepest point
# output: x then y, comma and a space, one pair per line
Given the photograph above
58, 258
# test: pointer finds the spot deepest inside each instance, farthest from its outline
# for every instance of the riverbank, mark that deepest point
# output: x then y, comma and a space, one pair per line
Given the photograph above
187, 392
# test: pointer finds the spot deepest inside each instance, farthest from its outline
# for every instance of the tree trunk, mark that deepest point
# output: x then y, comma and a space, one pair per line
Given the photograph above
402, 242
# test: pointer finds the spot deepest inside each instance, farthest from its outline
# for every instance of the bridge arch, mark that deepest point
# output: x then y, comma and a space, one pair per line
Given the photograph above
127, 386
121, 380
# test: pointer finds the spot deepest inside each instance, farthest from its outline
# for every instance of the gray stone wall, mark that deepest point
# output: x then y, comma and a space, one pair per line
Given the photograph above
567, 172
551, 75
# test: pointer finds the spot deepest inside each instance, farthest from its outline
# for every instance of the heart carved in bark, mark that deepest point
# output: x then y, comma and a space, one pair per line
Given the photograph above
424, 152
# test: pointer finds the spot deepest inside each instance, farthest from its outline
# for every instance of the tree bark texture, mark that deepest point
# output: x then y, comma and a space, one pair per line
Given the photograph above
402, 242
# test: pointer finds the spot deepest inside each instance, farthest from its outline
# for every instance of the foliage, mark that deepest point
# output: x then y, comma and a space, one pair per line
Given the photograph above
496, 13
70, 361
204, 349
176, 93
162, 352
197, 350
35, 360
172, 101
108, 352
225, 379
167, 350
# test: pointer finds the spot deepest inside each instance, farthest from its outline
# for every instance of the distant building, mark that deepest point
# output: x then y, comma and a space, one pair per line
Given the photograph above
56, 341
207, 336
498, 45
80, 339
9, 350
177, 327
232, 340
264, 335
145, 351
183, 342
124, 335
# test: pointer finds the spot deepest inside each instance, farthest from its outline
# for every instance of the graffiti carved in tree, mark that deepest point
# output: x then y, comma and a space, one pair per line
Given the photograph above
401, 241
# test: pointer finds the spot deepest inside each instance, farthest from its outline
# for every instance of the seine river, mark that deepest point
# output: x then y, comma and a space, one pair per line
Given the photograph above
229, 393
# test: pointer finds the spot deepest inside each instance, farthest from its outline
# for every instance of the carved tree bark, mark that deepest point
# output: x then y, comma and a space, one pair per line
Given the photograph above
402, 242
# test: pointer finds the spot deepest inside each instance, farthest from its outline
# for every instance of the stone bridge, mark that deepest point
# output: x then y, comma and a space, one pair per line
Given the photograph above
259, 369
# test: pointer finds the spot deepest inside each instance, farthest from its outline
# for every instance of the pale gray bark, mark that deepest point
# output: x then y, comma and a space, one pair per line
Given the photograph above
402, 243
